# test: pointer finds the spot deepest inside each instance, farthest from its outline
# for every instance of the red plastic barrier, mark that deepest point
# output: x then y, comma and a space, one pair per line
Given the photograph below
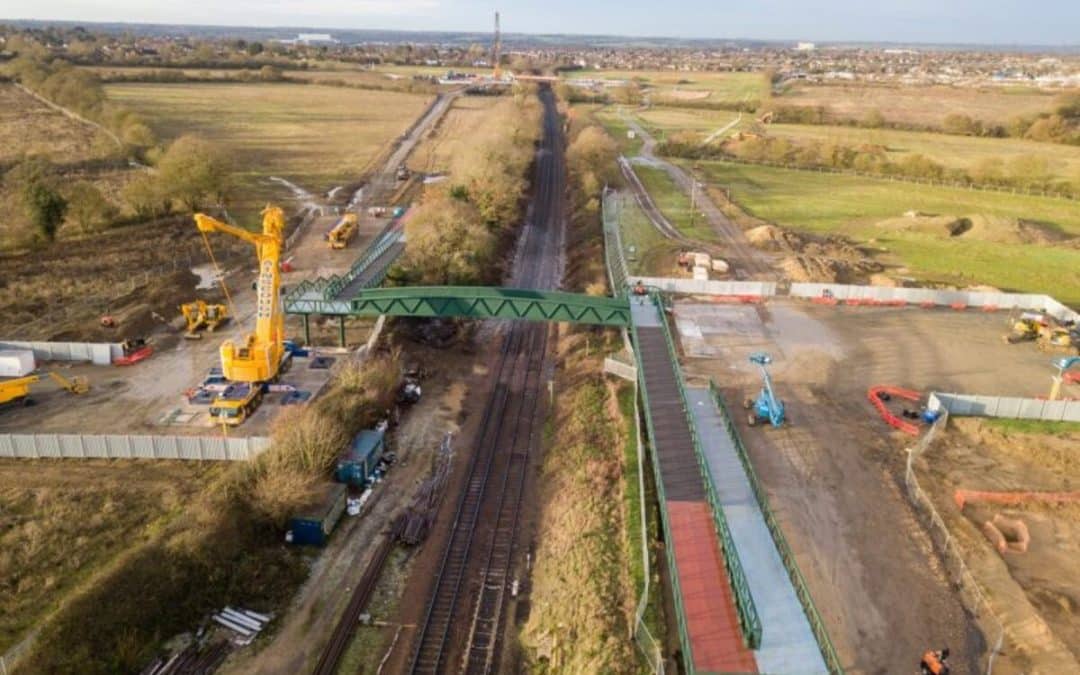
962, 497
959, 306
739, 299
990, 308
927, 305
825, 301
134, 357
887, 415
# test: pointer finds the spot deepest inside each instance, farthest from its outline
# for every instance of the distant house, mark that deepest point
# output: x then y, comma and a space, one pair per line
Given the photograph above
805, 47
312, 39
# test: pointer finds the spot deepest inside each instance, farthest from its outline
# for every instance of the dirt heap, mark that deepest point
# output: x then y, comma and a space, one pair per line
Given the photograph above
810, 258
979, 227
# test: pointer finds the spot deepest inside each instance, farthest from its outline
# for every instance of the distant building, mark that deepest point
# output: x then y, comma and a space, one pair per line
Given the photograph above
315, 38
805, 47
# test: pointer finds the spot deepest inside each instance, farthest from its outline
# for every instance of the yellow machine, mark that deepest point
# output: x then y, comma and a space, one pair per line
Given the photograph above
343, 232
18, 390
259, 358
1028, 327
14, 391
201, 314
74, 385
1060, 339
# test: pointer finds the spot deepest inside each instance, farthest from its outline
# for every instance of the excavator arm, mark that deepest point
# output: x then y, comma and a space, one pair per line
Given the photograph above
259, 358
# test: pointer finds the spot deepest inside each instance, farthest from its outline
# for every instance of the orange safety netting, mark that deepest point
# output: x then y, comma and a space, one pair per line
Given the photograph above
886, 414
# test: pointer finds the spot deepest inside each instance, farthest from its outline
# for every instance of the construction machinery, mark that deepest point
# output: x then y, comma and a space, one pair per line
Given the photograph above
18, 390
1064, 339
1028, 327
766, 407
74, 385
344, 230
261, 357
200, 315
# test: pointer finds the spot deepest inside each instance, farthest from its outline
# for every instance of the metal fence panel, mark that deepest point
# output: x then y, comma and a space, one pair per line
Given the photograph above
1009, 407
705, 287
100, 354
121, 446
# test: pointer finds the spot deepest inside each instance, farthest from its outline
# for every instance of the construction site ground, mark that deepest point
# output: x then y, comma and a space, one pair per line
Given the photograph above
1034, 593
834, 473
148, 397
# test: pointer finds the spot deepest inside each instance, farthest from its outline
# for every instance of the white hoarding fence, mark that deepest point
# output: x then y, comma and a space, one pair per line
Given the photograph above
963, 405
930, 296
124, 446
761, 289
98, 353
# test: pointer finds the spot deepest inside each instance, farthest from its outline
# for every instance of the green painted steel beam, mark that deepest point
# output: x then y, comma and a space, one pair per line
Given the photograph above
476, 303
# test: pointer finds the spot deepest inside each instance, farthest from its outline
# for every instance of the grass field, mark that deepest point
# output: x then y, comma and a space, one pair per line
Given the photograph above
920, 105
315, 136
465, 119
28, 126
672, 86
951, 151
850, 205
653, 254
61, 522
669, 120
613, 123
674, 203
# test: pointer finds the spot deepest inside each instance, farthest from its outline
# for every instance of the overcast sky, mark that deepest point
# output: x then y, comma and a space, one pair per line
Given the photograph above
958, 21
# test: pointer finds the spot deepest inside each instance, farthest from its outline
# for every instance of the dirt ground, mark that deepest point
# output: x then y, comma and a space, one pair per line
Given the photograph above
1034, 592
834, 475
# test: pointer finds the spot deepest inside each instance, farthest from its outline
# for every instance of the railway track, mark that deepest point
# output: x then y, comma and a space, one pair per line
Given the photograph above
346, 625
462, 626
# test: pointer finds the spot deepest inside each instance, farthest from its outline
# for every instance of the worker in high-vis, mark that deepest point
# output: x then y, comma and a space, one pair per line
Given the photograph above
935, 662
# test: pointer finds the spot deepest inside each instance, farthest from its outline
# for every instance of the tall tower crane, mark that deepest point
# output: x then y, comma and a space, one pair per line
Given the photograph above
496, 50
258, 359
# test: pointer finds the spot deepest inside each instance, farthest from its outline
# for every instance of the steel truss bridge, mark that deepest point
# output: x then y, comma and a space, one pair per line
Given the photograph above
471, 302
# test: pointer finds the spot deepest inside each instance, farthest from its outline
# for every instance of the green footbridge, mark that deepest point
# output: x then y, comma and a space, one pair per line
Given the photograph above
469, 302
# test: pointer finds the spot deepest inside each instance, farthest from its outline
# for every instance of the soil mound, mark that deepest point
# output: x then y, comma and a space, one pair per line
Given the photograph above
980, 227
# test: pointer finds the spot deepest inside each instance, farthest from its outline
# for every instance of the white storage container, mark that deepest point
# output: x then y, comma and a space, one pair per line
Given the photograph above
16, 362
701, 273
720, 266
702, 259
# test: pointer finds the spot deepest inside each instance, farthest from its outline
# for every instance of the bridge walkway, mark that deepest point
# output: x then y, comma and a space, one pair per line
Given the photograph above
708, 620
787, 645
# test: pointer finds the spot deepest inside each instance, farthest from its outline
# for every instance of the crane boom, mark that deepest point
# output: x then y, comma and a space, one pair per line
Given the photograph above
259, 358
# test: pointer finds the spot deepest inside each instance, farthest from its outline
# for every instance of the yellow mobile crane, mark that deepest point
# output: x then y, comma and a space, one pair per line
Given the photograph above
259, 359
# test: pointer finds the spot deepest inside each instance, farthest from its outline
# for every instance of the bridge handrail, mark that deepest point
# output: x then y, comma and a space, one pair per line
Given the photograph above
817, 625
618, 271
379, 246
669, 551
749, 619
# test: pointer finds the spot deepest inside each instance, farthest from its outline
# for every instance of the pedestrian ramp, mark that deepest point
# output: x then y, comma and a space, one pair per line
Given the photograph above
788, 645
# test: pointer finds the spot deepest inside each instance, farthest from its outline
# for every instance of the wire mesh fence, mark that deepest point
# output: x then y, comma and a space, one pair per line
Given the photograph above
969, 590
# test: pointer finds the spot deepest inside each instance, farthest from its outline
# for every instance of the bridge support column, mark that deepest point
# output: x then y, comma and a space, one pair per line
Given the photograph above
341, 330
307, 330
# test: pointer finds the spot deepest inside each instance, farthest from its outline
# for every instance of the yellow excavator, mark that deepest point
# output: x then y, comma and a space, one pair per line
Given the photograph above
200, 314
344, 230
1028, 327
261, 357
18, 390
